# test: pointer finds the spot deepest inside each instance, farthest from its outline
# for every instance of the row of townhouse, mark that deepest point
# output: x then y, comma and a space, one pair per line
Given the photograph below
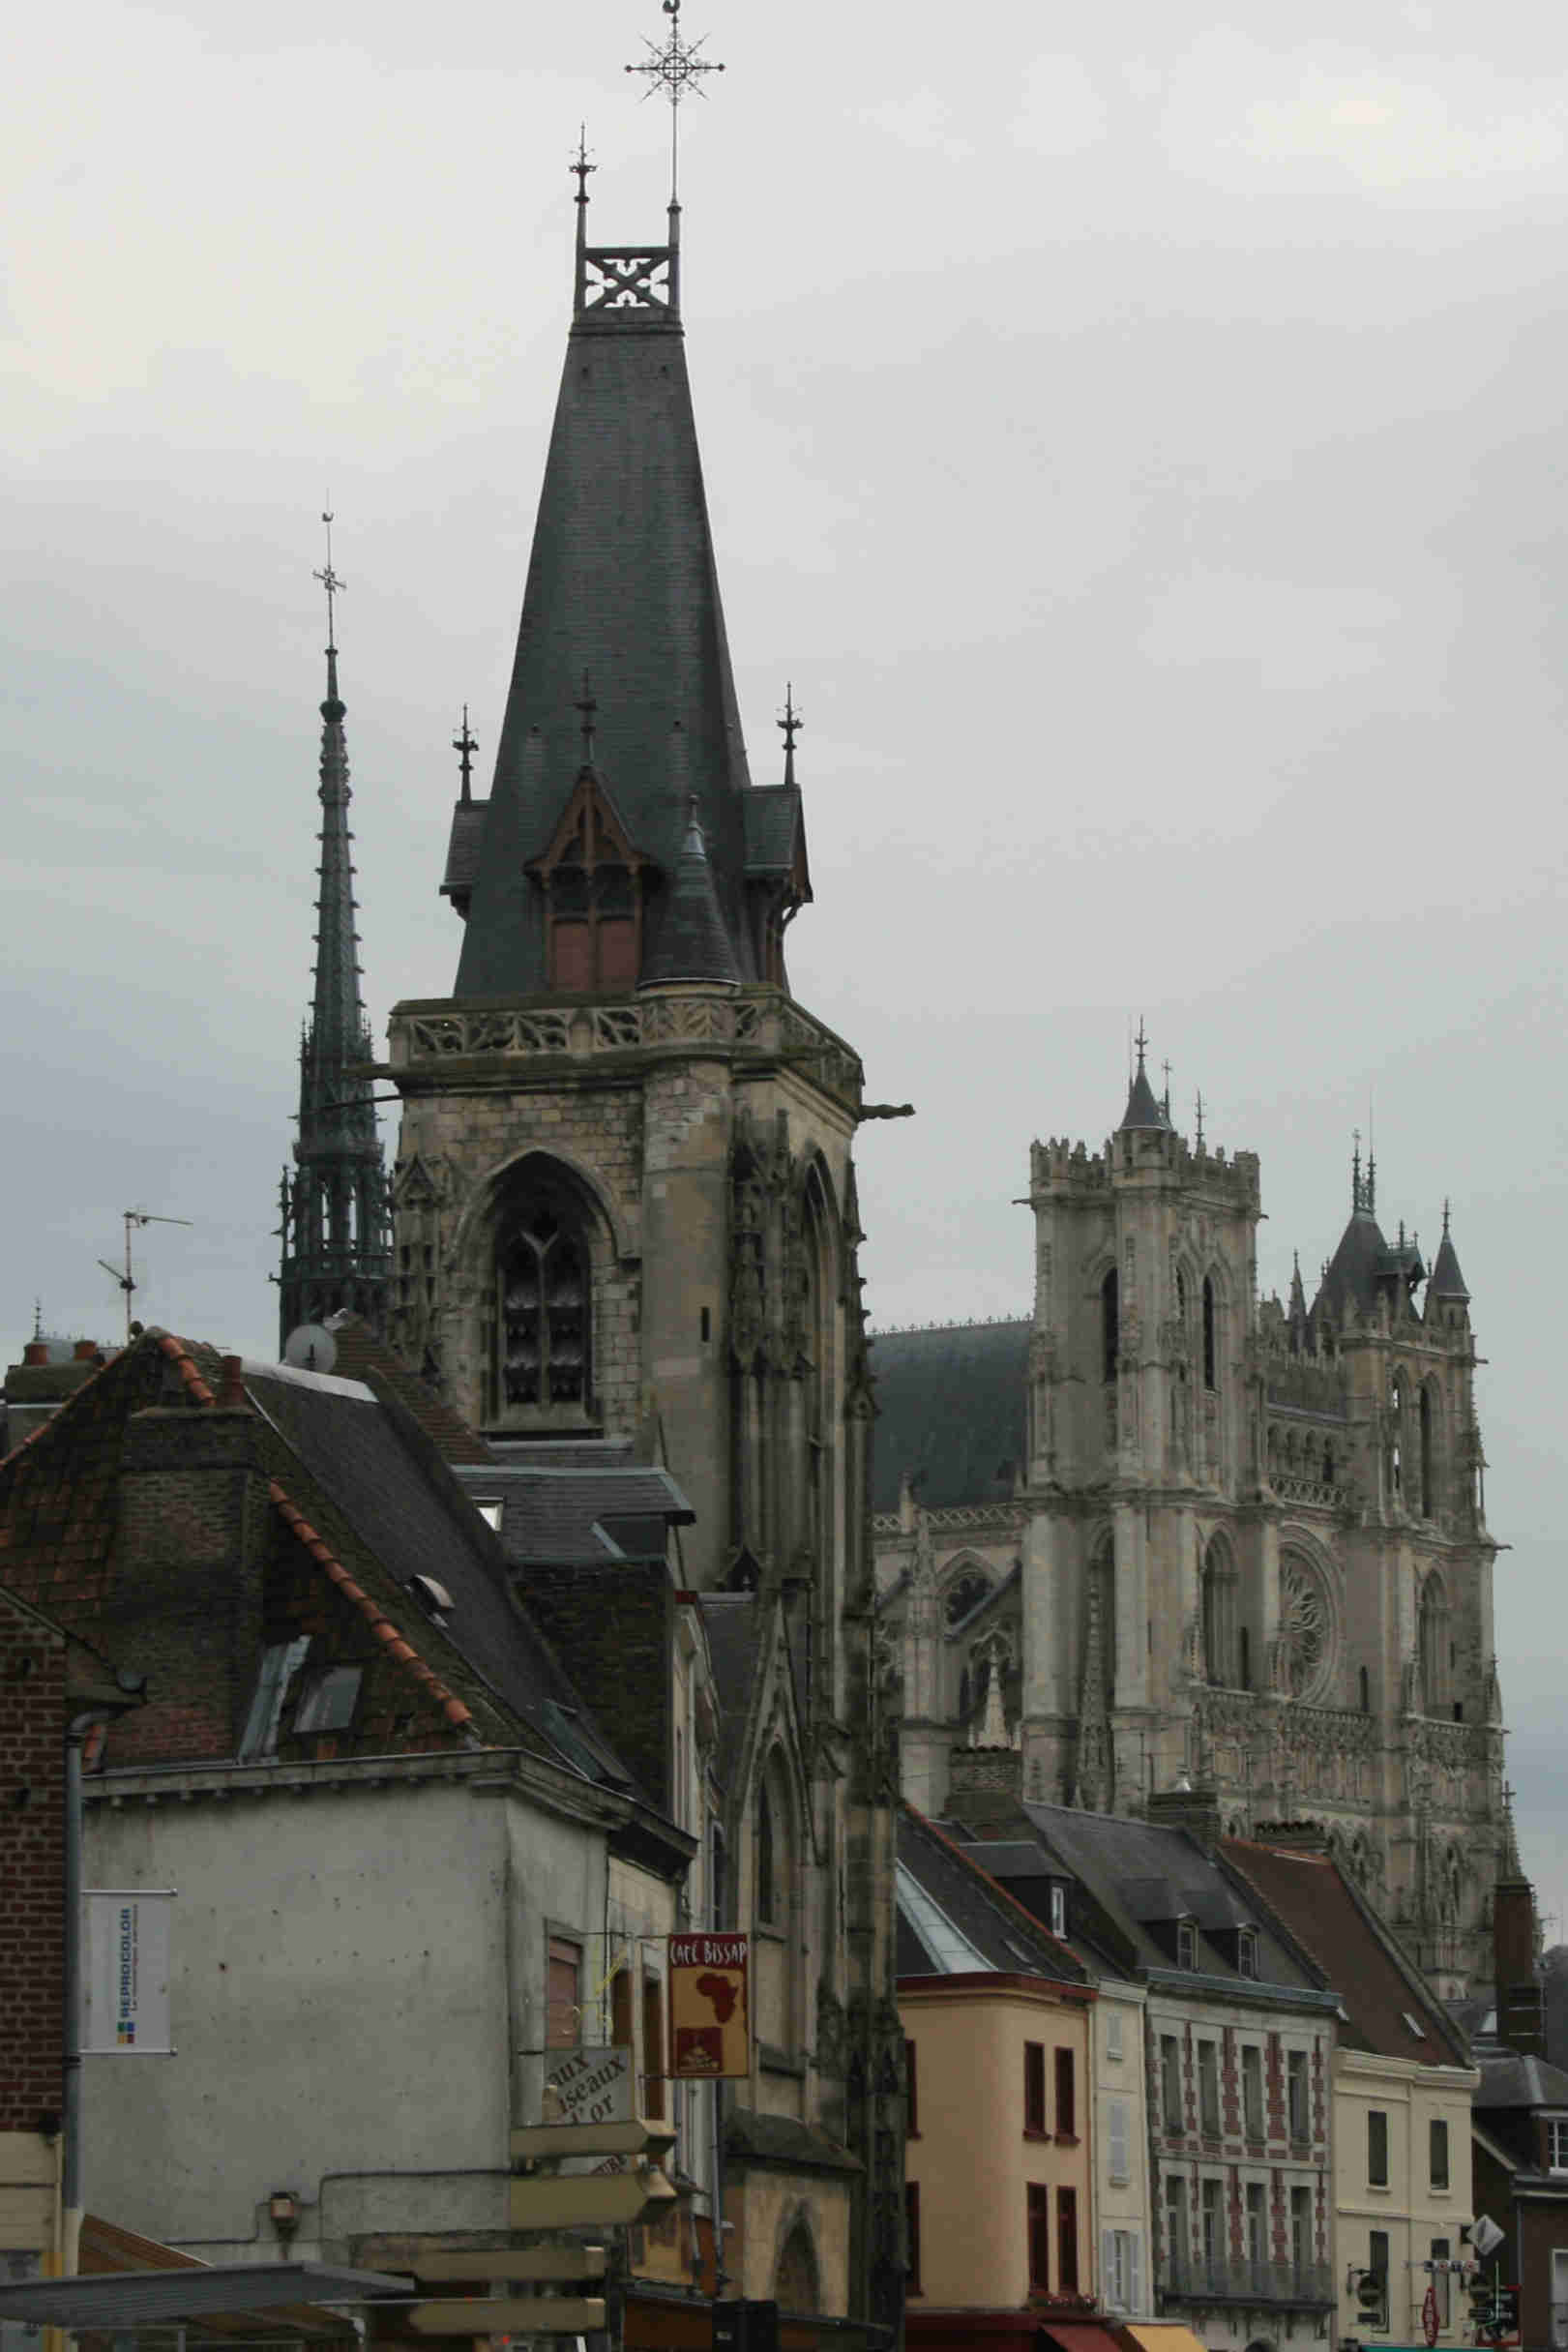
1164, 2080
430, 1747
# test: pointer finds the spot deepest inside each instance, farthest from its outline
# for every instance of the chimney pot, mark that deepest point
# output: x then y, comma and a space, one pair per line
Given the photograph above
230, 1395
35, 1351
85, 1351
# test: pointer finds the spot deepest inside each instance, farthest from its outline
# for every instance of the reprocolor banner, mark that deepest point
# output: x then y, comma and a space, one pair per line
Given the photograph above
126, 1974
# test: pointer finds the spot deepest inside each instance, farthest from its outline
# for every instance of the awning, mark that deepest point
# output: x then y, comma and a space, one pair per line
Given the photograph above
1154, 2336
1080, 2336
116, 2301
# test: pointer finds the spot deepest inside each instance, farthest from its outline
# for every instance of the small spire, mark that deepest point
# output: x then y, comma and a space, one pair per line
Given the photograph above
1445, 1216
1512, 1866
466, 746
333, 584
586, 705
1165, 1103
790, 727
1143, 1110
1141, 1042
1199, 1118
38, 1319
581, 165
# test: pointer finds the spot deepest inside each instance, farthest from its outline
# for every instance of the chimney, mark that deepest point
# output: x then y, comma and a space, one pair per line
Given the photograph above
35, 1351
85, 1352
1185, 1807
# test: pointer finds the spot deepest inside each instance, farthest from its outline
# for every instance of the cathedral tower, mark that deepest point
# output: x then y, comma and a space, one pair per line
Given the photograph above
335, 1241
1242, 1544
624, 1199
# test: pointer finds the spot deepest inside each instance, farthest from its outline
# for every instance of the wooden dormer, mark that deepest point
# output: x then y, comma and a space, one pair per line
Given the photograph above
595, 888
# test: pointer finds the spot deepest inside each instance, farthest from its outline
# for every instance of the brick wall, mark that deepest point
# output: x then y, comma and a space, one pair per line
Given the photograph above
612, 1629
32, 1868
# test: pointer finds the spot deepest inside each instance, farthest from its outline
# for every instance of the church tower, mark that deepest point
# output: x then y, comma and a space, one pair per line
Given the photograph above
624, 1199
334, 1207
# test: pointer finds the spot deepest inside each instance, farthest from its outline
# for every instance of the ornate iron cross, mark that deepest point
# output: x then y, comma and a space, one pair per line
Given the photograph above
677, 68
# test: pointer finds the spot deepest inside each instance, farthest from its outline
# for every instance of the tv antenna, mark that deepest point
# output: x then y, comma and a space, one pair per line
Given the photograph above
127, 1281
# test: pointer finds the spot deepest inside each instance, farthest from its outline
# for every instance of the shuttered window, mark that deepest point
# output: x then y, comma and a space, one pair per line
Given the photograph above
1117, 2131
562, 2026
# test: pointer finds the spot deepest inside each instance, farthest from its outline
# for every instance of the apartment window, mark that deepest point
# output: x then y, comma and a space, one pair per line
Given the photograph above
1301, 2227
1066, 2096
1121, 2267
911, 2094
1377, 2148
620, 2008
1113, 2030
911, 2237
1171, 2082
1208, 2089
1257, 2223
1557, 2144
1211, 2217
1296, 2087
1067, 2241
1034, 2086
1186, 1943
1119, 2138
1039, 2227
1247, 1953
1438, 2159
562, 2028
1377, 2260
653, 2047
1177, 2237
1252, 2090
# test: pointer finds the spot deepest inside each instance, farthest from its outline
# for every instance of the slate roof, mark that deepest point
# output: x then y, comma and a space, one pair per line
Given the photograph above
1511, 2079
775, 830
950, 1404
1447, 1282
1143, 1108
692, 943
1326, 1915
623, 585
1352, 1269
566, 1517
733, 1622
462, 849
991, 1921
1141, 1876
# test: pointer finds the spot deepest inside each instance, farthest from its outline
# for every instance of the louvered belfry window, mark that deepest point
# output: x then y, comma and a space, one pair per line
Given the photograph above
544, 1301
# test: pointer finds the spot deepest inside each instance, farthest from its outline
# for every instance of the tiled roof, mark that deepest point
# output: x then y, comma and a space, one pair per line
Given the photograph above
1323, 1913
950, 1412
1509, 2078
562, 1516
364, 1356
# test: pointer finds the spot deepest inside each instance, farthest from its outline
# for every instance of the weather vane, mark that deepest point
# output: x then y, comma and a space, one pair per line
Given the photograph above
790, 727
466, 747
330, 581
677, 68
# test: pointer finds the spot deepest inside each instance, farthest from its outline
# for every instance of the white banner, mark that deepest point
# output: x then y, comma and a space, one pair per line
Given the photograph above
126, 1973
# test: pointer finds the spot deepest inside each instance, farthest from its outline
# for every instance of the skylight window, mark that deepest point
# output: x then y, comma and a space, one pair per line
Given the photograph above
1414, 2025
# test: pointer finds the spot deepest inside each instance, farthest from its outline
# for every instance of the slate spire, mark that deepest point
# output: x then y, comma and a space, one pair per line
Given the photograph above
1447, 1282
622, 585
1143, 1109
336, 1245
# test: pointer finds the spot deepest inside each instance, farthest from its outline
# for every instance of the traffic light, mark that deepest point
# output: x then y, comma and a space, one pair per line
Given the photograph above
1505, 2315
1372, 2298
1483, 2294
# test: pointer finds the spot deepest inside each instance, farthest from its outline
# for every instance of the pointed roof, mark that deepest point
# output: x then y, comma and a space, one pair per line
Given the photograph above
1143, 1110
1447, 1282
1350, 1275
693, 943
623, 585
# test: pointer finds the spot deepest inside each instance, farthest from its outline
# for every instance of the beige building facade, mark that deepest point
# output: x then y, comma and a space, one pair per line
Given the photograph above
1403, 2188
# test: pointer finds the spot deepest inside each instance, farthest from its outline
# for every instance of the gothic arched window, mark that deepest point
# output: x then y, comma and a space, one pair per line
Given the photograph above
1219, 1615
1432, 1646
1111, 1324
795, 2285
593, 883
543, 1270
963, 1594
1208, 1333
767, 1864
1429, 1481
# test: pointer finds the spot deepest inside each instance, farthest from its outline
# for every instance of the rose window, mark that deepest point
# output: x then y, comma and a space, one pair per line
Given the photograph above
1304, 1627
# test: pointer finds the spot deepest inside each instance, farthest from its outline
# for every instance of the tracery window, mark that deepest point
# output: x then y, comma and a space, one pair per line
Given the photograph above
1219, 1615
965, 1592
544, 1273
1433, 1645
1209, 1352
1111, 1324
1305, 1626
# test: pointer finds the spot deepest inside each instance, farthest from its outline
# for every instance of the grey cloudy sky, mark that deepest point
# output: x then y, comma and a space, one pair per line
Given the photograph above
1138, 436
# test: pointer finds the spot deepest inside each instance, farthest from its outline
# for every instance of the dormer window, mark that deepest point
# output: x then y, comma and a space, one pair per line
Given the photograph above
593, 882
1247, 1951
1186, 1943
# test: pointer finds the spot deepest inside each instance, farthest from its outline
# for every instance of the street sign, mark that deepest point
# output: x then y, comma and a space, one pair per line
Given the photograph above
710, 2024
638, 2137
595, 2200
509, 2315
589, 2084
526, 2264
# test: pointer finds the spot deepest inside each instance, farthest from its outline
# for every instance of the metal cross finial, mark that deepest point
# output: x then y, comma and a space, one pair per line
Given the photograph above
580, 164
677, 70
330, 583
1445, 1218
587, 707
790, 727
466, 747
1140, 1041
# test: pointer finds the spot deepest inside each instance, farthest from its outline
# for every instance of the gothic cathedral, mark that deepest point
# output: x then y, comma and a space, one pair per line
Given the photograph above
1172, 1532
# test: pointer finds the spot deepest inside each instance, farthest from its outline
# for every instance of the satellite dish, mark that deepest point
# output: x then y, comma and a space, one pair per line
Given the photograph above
311, 1348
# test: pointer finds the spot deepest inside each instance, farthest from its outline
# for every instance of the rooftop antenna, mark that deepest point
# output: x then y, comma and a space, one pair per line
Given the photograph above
677, 70
128, 1281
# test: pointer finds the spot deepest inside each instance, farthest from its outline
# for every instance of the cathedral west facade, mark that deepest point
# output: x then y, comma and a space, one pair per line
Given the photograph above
1160, 1532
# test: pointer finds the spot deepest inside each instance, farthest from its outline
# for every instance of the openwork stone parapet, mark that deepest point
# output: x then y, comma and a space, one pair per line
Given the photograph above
496, 1042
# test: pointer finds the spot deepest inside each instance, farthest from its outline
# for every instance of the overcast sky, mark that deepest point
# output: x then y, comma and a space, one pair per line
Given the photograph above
1145, 457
